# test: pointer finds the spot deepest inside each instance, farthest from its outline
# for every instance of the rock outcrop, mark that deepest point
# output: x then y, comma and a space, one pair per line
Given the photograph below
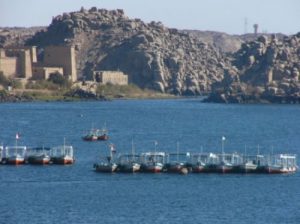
266, 69
153, 55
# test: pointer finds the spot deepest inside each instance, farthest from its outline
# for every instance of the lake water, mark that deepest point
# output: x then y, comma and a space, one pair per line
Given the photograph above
76, 194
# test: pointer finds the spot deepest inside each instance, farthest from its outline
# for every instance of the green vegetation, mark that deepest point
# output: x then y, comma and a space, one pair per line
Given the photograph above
5, 82
128, 91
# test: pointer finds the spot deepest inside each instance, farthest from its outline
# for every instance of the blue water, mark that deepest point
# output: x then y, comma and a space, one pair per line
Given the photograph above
76, 194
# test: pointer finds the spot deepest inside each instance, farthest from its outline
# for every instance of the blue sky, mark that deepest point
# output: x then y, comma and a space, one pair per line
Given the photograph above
215, 15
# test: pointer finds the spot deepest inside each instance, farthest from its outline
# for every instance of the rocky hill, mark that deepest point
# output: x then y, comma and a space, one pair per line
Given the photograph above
153, 55
225, 42
265, 70
16, 36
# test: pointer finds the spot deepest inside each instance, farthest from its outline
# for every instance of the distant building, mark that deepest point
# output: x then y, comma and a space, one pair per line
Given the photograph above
111, 77
22, 62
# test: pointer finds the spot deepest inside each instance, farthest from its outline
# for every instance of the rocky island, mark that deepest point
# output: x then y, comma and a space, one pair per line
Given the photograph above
229, 68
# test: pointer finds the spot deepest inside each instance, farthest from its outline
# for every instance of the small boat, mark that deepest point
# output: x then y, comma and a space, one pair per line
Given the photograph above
211, 163
15, 155
152, 162
247, 167
198, 162
224, 167
107, 164
129, 163
282, 163
96, 135
62, 155
91, 135
1, 153
177, 162
38, 156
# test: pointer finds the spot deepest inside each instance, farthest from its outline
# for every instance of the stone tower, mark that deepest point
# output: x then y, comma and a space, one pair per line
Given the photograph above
63, 56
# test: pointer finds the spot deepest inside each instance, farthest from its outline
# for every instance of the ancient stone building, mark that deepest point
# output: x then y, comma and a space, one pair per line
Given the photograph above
22, 62
112, 77
61, 56
17, 62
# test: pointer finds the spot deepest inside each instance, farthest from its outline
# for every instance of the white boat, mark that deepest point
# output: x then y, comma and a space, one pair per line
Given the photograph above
152, 162
15, 155
62, 155
1, 153
282, 163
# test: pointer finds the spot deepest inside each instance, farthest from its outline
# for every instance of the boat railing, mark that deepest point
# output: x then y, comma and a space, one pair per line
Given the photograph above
64, 150
15, 150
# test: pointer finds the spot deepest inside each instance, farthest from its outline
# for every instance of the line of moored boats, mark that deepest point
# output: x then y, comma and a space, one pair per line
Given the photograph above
17, 155
155, 162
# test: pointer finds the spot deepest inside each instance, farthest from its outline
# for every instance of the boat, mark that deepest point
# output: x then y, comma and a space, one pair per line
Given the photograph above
211, 163
1, 153
96, 135
247, 167
198, 162
282, 163
107, 163
177, 162
62, 155
91, 135
38, 156
15, 155
224, 167
129, 163
152, 162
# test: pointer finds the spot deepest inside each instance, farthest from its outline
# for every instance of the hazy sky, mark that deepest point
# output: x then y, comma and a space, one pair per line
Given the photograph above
216, 15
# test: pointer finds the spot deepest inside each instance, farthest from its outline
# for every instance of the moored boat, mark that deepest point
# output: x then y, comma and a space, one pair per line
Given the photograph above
152, 162
176, 162
15, 155
38, 155
1, 153
282, 163
62, 155
129, 163
107, 164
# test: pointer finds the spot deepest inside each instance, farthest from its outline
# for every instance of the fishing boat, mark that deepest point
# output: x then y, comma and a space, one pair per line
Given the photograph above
107, 163
152, 162
38, 156
198, 162
282, 163
96, 135
1, 153
129, 163
246, 167
62, 155
91, 135
15, 155
176, 162
211, 163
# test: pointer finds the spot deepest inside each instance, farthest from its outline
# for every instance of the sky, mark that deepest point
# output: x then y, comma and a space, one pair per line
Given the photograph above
230, 16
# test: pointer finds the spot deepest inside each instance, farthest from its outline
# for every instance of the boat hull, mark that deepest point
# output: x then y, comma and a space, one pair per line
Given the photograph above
105, 168
62, 160
39, 160
15, 160
129, 168
152, 168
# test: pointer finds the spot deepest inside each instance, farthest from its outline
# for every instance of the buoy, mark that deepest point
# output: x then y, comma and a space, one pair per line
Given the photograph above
184, 170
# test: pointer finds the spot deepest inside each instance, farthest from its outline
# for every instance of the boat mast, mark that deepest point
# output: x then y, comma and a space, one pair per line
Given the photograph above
223, 140
177, 146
